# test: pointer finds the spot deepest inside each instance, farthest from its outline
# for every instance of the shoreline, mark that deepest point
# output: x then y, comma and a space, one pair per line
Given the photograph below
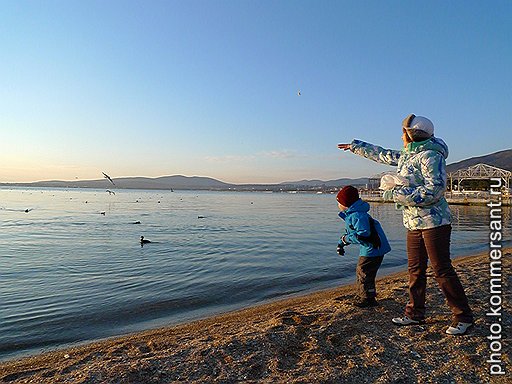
372, 197
315, 337
505, 202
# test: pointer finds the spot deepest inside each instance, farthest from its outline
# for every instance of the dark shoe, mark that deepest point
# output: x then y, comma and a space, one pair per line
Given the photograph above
406, 321
365, 303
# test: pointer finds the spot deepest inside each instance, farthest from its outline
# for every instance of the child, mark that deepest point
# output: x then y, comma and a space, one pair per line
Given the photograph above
364, 230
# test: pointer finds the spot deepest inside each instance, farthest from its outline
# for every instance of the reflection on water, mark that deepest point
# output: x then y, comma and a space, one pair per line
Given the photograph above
69, 273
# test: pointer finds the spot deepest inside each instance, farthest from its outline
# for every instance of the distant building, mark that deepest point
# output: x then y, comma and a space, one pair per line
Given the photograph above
374, 181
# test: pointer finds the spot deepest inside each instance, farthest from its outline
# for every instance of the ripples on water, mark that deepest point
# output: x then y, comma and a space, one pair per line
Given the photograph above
70, 274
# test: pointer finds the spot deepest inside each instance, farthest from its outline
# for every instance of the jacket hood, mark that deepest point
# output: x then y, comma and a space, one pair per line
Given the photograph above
358, 206
432, 144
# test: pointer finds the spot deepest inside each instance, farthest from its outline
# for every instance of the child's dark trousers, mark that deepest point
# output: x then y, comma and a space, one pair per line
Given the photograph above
366, 272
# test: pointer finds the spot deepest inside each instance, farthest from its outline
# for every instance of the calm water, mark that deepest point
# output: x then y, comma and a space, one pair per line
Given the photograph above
70, 274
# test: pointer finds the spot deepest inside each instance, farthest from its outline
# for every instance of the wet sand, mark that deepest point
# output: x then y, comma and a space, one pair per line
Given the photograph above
317, 338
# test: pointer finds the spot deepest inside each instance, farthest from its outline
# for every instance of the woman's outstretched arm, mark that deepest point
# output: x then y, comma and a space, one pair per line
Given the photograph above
372, 152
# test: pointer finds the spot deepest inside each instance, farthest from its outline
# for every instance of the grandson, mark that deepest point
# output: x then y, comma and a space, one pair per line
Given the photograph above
364, 230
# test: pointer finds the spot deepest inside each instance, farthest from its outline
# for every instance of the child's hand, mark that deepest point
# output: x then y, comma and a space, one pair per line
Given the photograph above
340, 248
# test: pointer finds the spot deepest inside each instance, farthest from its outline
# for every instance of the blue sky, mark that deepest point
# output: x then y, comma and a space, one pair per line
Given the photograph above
209, 88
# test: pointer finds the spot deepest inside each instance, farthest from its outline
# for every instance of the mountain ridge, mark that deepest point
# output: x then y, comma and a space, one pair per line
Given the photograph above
500, 159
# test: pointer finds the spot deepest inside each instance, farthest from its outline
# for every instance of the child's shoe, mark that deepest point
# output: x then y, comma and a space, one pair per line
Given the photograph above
365, 303
458, 328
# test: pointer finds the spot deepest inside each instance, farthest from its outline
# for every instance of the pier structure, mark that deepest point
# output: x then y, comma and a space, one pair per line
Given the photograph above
479, 172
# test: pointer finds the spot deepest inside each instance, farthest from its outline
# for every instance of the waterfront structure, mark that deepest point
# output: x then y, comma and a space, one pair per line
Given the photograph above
480, 171
477, 176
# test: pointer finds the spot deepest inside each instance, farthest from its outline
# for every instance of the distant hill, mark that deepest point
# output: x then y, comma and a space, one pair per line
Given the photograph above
501, 159
180, 182
163, 182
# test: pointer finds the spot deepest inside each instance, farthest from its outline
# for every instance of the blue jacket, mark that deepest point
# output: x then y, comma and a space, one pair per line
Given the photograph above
357, 229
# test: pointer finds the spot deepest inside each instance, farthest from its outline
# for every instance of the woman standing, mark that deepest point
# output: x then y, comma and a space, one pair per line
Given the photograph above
426, 216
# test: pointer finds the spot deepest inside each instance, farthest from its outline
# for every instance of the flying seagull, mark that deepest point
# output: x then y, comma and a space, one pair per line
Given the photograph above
108, 178
298, 93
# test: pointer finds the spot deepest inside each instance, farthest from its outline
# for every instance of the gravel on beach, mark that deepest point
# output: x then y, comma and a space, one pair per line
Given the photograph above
317, 338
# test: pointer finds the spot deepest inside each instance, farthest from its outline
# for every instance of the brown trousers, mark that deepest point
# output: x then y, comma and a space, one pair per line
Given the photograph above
434, 244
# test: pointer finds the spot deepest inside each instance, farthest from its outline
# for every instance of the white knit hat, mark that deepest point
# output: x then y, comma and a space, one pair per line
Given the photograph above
418, 123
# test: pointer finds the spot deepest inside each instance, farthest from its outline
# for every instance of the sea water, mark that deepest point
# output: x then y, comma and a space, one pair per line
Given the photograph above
72, 268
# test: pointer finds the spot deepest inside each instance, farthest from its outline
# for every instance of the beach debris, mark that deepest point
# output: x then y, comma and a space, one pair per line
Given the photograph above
108, 178
110, 192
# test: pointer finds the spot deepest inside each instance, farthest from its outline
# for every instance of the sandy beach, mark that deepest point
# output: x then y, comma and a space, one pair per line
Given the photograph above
317, 338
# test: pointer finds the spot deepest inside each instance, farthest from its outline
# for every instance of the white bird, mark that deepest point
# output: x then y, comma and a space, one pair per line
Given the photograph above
298, 93
108, 178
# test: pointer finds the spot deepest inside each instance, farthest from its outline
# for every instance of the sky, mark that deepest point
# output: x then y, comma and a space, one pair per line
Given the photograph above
210, 88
